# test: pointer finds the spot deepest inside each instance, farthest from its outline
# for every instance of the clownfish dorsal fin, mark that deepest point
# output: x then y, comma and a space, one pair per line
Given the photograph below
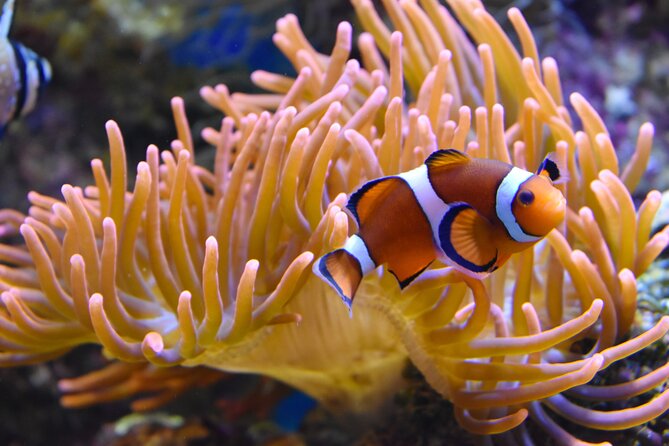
465, 237
342, 271
446, 159
362, 202
551, 169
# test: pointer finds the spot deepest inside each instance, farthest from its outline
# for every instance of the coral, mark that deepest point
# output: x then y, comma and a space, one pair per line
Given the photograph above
199, 267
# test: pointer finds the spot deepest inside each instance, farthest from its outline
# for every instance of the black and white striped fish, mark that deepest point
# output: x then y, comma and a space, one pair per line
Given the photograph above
23, 73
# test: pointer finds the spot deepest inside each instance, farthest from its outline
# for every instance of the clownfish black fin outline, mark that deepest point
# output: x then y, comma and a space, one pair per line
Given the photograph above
552, 169
407, 281
461, 243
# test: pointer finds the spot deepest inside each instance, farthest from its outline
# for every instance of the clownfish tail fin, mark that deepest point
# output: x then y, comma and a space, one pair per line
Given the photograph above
342, 271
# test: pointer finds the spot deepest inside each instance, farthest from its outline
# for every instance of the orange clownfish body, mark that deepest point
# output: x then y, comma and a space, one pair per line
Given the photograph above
470, 213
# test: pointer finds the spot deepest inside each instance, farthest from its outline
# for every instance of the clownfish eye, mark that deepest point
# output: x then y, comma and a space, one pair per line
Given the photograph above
525, 197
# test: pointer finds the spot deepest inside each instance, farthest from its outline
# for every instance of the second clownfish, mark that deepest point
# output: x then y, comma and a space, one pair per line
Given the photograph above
470, 213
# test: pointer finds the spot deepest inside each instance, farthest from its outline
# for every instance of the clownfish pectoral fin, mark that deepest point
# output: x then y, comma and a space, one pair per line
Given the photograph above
465, 237
446, 159
342, 271
551, 169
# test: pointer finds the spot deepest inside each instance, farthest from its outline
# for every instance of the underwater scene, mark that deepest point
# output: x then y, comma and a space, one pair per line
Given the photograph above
338, 222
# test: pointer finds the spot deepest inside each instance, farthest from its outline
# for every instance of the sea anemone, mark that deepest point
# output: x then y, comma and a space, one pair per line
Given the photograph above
211, 267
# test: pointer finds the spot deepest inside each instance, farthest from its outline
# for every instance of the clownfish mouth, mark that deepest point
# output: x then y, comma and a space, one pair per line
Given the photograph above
554, 211
560, 206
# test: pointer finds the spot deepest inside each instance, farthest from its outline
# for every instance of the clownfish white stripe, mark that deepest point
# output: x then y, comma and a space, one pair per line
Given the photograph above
433, 207
357, 248
506, 192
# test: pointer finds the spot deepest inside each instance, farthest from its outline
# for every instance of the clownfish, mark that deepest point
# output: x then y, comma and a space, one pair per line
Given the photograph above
470, 213
23, 73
